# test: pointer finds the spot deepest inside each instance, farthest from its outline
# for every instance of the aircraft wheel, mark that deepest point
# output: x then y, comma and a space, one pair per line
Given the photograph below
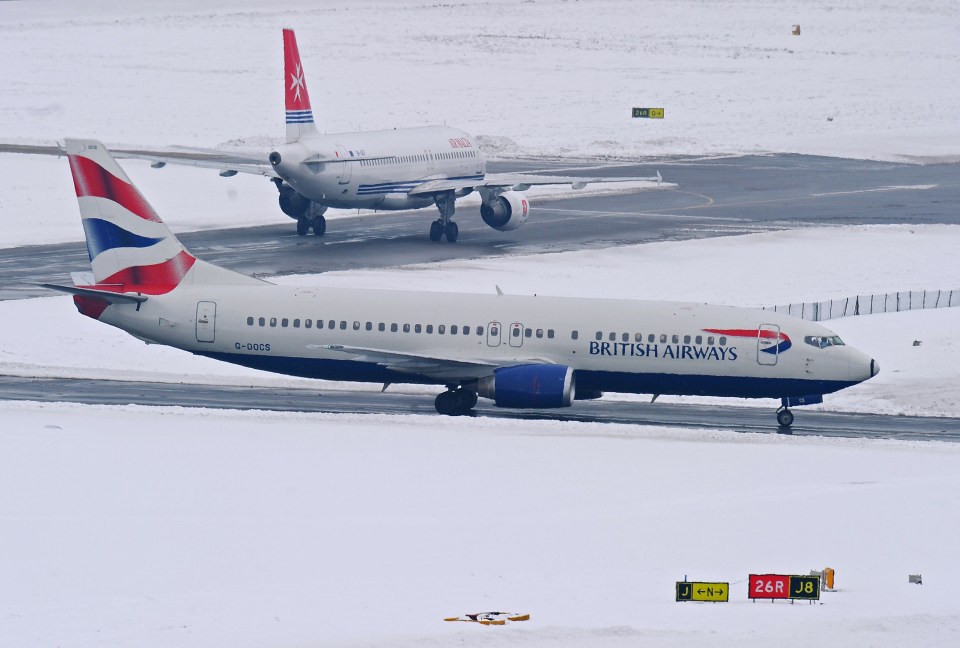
466, 399
302, 226
785, 417
447, 403
452, 232
320, 226
436, 230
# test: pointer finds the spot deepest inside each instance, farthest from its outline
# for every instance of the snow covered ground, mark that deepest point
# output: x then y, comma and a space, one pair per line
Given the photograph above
167, 527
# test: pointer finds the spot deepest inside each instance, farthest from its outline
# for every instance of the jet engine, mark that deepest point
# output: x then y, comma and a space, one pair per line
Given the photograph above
506, 211
529, 386
292, 203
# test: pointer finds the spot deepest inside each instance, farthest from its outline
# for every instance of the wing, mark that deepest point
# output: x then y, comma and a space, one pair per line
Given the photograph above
227, 163
440, 368
521, 182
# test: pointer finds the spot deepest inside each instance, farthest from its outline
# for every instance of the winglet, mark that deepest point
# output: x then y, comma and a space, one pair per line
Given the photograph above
299, 113
499, 292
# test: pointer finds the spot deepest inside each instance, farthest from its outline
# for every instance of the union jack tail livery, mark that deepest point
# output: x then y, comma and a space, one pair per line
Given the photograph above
133, 254
299, 114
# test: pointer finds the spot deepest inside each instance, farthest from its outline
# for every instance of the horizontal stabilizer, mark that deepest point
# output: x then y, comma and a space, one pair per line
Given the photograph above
106, 295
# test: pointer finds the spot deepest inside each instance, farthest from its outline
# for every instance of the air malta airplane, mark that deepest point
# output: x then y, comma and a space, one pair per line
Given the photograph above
403, 168
519, 351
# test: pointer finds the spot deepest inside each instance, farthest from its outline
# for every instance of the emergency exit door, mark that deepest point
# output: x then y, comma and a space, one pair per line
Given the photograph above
768, 344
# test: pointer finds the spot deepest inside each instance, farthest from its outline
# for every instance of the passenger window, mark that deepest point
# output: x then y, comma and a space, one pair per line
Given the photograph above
465, 330
273, 321
676, 339
453, 329
308, 323
479, 330
441, 329
249, 321
698, 339
284, 322
686, 339
356, 325
381, 327
549, 334
599, 335
651, 338
516, 332
332, 324
527, 332
625, 337
723, 341
393, 328
369, 326
663, 338
406, 328
494, 331
710, 341
296, 323
638, 337
343, 325
417, 328
262, 321
574, 334
539, 333
613, 336
429, 329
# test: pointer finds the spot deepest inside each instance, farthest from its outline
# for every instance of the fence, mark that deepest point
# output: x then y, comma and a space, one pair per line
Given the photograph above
871, 304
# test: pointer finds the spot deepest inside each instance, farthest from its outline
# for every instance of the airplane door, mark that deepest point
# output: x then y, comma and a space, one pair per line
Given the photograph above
346, 168
516, 334
768, 344
206, 321
493, 334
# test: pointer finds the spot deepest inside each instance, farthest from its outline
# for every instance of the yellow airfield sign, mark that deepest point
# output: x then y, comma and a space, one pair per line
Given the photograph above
693, 591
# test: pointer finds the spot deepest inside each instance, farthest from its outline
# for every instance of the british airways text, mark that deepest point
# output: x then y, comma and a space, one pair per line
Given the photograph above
666, 351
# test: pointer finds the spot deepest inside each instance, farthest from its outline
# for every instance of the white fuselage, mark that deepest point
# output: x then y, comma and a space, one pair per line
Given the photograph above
612, 345
376, 169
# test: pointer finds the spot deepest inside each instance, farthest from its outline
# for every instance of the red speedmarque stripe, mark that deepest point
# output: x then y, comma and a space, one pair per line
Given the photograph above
91, 179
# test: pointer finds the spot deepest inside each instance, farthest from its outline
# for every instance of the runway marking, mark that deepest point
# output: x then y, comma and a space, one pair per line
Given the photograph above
878, 189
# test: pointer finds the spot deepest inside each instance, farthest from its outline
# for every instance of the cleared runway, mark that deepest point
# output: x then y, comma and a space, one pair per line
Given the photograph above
737, 419
716, 197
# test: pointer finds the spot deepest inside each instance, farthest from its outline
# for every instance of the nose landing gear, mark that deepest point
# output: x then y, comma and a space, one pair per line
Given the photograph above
784, 416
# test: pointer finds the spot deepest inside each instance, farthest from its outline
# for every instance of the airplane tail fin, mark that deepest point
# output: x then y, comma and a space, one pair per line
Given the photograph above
131, 250
299, 114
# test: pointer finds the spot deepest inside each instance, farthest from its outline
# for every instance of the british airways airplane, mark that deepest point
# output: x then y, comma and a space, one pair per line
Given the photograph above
519, 351
403, 168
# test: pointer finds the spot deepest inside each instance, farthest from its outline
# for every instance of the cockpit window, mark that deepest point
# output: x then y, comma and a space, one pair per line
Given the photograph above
822, 342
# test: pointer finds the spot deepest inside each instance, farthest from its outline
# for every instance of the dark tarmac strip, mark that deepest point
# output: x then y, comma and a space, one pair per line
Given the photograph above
737, 419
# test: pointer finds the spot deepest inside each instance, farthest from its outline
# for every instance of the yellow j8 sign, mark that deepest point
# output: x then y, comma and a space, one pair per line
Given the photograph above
715, 592
651, 113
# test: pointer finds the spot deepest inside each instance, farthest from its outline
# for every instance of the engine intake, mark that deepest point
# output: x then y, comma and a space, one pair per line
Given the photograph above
530, 386
505, 212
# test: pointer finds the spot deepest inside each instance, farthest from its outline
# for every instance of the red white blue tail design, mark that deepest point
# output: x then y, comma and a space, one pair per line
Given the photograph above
130, 248
299, 114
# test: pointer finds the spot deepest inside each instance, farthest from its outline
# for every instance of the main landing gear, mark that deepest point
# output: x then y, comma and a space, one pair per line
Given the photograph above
444, 226
317, 223
455, 402
308, 214
784, 417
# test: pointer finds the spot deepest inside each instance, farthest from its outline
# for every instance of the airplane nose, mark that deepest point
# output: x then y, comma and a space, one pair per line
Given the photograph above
874, 367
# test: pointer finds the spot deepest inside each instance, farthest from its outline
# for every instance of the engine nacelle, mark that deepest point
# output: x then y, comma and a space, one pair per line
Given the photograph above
292, 203
528, 386
505, 212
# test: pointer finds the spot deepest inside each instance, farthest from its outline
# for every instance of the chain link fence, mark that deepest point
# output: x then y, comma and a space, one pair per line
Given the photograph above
870, 304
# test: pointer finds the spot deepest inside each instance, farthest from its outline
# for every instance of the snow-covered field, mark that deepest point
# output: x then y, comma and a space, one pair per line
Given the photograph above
132, 526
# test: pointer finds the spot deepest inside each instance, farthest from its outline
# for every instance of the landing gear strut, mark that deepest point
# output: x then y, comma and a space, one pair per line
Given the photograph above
308, 214
455, 402
784, 417
444, 226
